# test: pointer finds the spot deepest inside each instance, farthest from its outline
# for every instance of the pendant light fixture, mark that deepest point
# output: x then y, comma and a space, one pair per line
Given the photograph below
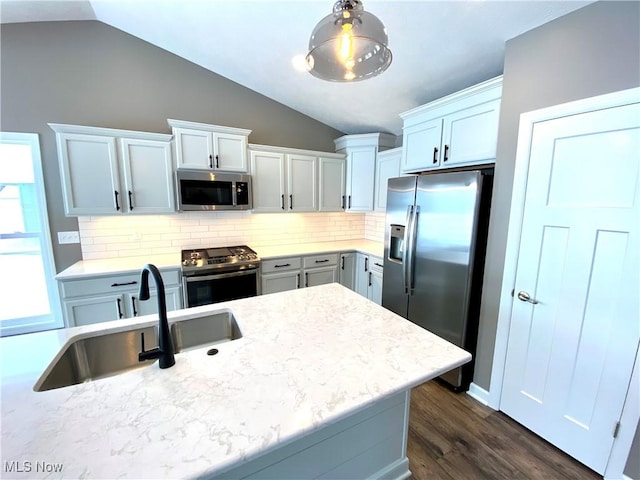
348, 44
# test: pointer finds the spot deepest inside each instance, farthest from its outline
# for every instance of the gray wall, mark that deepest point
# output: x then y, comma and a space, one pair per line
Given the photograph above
592, 51
88, 73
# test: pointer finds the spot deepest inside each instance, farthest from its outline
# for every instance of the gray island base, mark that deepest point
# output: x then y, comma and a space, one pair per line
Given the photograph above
316, 386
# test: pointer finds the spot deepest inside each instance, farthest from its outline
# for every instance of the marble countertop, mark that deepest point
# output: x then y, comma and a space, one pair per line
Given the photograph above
307, 358
122, 265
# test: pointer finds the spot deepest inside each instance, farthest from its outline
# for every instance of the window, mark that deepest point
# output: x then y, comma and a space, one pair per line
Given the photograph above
29, 299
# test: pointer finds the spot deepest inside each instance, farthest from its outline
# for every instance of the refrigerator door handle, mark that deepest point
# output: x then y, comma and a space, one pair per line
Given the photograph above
413, 231
406, 250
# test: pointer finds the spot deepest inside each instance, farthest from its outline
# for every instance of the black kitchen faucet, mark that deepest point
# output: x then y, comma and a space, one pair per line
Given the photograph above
164, 351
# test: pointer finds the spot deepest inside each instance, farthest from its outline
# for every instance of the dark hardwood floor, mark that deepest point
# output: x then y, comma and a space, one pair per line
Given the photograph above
452, 436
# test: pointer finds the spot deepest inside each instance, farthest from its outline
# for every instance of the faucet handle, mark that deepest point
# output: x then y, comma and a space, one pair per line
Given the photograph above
148, 354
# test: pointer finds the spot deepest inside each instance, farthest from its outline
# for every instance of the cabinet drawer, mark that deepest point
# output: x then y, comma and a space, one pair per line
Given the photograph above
321, 260
376, 264
112, 284
280, 265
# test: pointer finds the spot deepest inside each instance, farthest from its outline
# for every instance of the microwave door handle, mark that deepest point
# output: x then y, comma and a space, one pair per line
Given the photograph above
234, 194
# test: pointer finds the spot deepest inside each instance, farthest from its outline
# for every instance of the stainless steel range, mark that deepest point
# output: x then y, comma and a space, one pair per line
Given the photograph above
212, 275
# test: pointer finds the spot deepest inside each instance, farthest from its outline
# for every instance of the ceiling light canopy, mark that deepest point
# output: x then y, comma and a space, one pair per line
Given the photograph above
348, 45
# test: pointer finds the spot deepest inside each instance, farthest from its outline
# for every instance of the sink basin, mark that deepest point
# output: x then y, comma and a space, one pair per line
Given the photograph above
109, 354
97, 357
206, 330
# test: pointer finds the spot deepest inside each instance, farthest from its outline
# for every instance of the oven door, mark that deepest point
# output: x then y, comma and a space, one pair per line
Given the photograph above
220, 287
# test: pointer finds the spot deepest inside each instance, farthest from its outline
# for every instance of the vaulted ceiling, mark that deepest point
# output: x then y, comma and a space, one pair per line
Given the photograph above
438, 47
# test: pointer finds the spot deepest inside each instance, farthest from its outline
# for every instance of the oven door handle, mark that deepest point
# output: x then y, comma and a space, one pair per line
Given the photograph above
203, 278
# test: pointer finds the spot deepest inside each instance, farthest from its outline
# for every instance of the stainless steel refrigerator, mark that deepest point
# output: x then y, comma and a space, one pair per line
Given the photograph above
434, 248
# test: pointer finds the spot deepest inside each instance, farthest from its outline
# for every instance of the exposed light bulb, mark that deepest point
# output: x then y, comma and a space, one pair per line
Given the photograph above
345, 44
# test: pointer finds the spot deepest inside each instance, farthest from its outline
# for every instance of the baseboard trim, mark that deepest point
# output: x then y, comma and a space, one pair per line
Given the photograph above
398, 470
479, 394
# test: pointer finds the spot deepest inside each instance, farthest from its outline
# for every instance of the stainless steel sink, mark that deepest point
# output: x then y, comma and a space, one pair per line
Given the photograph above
202, 331
106, 355
97, 357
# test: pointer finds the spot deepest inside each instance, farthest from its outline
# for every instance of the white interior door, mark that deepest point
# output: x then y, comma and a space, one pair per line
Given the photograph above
570, 355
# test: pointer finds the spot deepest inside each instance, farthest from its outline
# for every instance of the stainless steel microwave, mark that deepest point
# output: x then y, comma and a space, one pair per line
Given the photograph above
213, 191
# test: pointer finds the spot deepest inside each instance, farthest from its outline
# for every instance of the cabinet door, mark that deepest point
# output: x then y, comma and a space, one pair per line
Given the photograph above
280, 282
268, 181
362, 274
137, 308
375, 287
230, 152
194, 149
148, 176
361, 168
89, 171
320, 276
421, 146
470, 136
331, 185
387, 166
95, 309
302, 183
347, 272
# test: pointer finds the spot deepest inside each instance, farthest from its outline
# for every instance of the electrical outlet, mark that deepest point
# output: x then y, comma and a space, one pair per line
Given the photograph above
68, 237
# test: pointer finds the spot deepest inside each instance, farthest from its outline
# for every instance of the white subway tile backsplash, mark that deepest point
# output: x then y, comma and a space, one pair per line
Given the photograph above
104, 237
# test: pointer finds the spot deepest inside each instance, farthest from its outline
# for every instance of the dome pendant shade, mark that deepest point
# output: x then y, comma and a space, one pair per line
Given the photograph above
348, 45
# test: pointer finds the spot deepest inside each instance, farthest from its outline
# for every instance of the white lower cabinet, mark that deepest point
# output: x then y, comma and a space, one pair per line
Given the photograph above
110, 297
348, 270
297, 272
368, 277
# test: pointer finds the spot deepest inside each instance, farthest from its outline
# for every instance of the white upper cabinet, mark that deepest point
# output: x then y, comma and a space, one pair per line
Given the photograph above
293, 180
302, 183
361, 152
331, 191
387, 166
201, 146
268, 181
458, 130
109, 172
148, 176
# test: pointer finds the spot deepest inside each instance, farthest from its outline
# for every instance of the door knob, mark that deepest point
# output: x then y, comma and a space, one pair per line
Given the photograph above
525, 297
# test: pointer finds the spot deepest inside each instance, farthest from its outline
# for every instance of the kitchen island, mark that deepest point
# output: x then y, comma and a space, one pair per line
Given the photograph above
317, 386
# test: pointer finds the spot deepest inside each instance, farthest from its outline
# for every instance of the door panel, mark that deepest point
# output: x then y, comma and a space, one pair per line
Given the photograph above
570, 356
447, 208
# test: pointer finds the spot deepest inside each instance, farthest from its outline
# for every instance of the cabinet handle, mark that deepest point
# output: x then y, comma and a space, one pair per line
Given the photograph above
349, 202
435, 154
342, 263
130, 200
217, 163
115, 192
133, 306
446, 153
283, 201
283, 265
378, 265
342, 206
366, 264
369, 278
298, 281
306, 279
290, 202
120, 315
124, 284
322, 261
210, 161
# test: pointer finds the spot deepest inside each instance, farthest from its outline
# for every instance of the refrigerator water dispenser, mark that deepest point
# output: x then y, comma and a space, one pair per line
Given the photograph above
396, 243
